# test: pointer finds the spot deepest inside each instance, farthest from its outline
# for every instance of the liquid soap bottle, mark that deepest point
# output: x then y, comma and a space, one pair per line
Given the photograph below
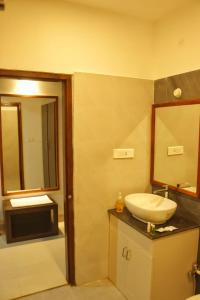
119, 205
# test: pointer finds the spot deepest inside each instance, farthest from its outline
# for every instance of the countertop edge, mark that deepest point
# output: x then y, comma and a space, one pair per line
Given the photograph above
177, 220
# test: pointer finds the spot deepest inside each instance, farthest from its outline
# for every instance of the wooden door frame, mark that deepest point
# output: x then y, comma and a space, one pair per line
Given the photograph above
68, 156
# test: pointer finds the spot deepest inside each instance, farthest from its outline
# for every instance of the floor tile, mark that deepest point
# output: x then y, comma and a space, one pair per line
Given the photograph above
100, 293
32, 266
101, 290
11, 289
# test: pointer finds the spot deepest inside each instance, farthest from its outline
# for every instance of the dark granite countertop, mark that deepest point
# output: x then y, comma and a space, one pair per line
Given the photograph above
179, 220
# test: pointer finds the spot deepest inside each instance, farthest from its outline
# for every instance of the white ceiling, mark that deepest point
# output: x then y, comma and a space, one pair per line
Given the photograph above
145, 9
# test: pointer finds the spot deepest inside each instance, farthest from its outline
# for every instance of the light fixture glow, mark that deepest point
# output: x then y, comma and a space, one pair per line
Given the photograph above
27, 87
177, 93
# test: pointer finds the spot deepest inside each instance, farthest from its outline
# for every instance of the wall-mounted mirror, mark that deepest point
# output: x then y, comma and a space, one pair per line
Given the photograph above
29, 145
175, 145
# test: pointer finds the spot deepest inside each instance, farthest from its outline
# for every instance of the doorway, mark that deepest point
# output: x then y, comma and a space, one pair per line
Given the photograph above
65, 80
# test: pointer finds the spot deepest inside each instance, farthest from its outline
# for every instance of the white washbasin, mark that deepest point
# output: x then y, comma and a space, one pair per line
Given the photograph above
150, 208
29, 201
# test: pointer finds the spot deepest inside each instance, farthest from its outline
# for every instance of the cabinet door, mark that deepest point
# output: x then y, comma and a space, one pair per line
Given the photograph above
174, 256
122, 250
134, 262
130, 265
138, 273
118, 247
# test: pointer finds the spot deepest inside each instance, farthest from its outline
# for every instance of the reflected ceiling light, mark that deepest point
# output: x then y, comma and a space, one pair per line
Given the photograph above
27, 87
8, 108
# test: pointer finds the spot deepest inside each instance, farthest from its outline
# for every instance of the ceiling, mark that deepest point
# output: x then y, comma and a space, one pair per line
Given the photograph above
145, 9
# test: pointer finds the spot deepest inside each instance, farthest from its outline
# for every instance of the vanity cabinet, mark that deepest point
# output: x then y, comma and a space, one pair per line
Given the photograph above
30, 222
145, 269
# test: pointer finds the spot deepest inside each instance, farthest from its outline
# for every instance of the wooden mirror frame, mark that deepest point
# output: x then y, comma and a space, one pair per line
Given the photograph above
25, 191
158, 183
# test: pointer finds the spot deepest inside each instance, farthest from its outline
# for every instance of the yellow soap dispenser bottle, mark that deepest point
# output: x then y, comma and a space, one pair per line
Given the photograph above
119, 205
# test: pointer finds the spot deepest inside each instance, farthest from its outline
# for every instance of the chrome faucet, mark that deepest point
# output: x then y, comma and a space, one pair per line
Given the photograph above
165, 190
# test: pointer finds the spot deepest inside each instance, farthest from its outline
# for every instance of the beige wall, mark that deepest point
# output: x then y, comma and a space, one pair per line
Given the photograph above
83, 39
57, 36
32, 143
10, 147
176, 43
109, 112
177, 126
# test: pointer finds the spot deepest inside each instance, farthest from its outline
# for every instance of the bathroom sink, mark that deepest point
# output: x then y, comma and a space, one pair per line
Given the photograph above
150, 208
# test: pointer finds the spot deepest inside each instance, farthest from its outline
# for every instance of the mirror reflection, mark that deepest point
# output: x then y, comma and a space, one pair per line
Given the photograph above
176, 146
29, 143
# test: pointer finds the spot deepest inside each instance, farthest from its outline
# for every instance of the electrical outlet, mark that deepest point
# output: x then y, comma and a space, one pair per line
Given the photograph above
124, 153
175, 150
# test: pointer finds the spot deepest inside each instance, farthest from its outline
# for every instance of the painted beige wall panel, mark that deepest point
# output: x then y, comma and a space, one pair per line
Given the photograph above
10, 147
109, 112
173, 259
78, 38
32, 144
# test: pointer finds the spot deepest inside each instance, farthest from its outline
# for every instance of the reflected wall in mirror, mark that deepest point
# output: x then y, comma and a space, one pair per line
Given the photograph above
175, 145
29, 143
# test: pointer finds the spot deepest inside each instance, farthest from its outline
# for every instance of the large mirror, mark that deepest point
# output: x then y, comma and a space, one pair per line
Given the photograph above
29, 145
175, 145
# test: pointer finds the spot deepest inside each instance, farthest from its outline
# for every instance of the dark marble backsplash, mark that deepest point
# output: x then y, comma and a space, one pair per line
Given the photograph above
189, 83
187, 206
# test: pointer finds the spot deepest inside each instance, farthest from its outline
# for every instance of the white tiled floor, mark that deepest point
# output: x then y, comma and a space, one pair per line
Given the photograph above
102, 290
31, 266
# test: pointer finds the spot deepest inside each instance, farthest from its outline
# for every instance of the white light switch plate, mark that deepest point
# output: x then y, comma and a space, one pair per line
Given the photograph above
124, 153
175, 150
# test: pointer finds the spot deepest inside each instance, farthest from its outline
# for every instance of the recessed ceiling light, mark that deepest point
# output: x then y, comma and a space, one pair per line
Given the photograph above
26, 87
